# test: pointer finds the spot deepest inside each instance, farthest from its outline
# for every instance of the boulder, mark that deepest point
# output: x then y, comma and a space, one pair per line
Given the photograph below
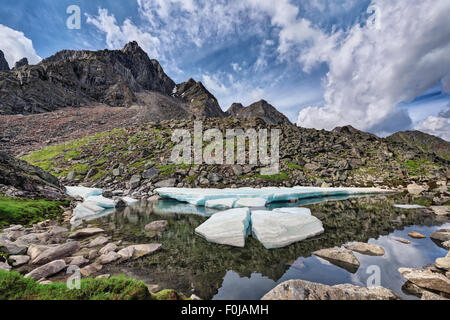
305, 290
78, 261
97, 242
91, 269
443, 263
19, 260
229, 227
427, 279
402, 240
280, 229
109, 257
415, 189
341, 257
108, 248
58, 252
5, 266
166, 183
135, 181
13, 248
446, 244
47, 270
365, 248
35, 250
441, 210
86, 232
157, 225
427, 295
126, 253
416, 235
441, 235
141, 250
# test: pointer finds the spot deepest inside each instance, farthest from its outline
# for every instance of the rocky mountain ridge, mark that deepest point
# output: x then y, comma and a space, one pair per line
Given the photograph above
261, 109
3, 63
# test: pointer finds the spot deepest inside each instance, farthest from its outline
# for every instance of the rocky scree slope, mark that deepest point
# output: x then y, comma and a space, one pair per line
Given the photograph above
423, 141
138, 160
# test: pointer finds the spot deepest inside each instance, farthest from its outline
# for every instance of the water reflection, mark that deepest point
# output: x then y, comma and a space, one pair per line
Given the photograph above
190, 264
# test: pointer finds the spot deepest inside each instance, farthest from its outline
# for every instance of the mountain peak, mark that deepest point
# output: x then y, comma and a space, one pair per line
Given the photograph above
131, 47
22, 62
3, 63
261, 109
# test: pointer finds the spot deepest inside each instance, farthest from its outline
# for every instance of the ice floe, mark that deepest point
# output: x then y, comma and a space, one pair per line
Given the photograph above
304, 211
229, 227
95, 204
200, 197
280, 229
226, 203
408, 206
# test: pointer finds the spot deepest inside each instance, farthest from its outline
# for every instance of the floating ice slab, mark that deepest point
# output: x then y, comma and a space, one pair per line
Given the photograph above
199, 197
83, 192
250, 202
280, 229
408, 206
129, 201
101, 201
227, 227
304, 211
221, 204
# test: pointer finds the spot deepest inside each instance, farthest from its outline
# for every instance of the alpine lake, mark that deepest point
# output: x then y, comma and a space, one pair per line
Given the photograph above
191, 265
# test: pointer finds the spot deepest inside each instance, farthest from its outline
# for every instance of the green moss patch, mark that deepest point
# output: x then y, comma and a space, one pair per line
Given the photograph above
27, 212
13, 286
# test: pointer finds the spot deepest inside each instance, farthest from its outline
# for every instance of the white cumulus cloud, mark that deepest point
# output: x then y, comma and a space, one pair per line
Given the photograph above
402, 51
16, 46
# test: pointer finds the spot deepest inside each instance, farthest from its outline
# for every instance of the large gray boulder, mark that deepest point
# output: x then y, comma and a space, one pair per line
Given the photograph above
341, 257
426, 279
58, 252
47, 270
305, 290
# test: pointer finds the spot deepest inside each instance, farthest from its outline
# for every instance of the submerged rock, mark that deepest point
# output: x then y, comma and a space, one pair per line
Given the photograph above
305, 290
157, 225
402, 240
280, 229
228, 227
416, 235
365, 248
341, 257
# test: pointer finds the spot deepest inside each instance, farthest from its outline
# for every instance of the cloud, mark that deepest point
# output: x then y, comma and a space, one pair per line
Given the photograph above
438, 126
16, 46
117, 36
402, 51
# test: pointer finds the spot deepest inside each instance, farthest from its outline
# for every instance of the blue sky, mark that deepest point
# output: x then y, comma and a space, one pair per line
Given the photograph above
379, 65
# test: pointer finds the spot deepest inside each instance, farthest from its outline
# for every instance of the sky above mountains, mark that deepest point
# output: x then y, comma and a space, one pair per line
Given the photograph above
379, 65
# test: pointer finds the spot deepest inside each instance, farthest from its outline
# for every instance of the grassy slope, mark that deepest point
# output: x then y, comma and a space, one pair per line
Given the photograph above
13, 286
26, 212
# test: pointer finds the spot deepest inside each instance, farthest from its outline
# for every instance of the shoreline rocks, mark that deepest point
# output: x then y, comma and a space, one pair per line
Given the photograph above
366, 248
305, 290
340, 257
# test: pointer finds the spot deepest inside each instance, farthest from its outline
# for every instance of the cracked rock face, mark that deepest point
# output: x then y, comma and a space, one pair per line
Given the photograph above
3, 63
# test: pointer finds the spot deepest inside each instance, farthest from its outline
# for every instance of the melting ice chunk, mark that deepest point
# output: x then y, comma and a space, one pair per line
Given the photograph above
408, 206
83, 192
101, 201
199, 197
250, 202
304, 211
227, 227
280, 229
221, 204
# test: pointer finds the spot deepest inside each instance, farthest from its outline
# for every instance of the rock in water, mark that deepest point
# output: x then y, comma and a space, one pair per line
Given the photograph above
341, 257
365, 248
157, 225
427, 279
227, 227
441, 235
84, 233
305, 290
416, 235
280, 229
